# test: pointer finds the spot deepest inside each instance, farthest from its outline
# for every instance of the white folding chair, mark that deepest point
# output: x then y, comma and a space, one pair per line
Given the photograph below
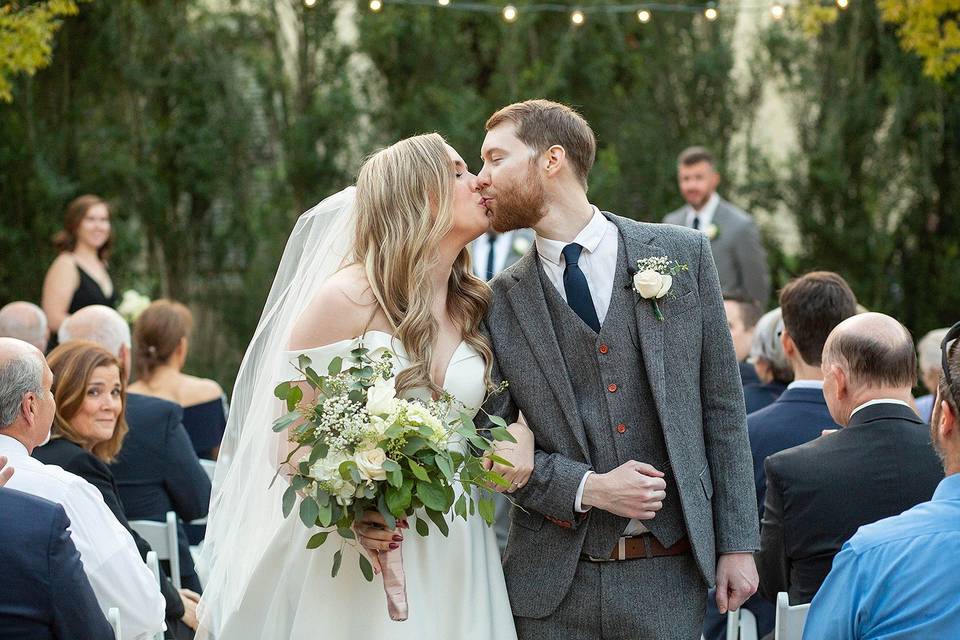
113, 616
790, 620
209, 466
741, 625
162, 537
153, 563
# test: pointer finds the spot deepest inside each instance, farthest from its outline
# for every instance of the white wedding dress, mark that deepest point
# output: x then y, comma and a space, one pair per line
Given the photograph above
455, 585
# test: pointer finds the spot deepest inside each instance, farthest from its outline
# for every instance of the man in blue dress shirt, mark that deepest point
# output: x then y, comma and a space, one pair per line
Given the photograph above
898, 578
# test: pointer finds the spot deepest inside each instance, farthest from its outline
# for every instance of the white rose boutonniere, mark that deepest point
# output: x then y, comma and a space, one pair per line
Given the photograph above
132, 304
654, 278
520, 245
712, 231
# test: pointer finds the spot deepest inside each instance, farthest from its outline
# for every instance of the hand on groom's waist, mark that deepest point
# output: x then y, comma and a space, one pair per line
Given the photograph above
633, 490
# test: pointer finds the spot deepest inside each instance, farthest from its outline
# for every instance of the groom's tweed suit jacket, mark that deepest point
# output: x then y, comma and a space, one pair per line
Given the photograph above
677, 395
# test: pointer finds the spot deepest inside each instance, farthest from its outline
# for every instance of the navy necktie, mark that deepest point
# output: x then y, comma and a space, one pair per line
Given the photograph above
576, 287
491, 255
696, 222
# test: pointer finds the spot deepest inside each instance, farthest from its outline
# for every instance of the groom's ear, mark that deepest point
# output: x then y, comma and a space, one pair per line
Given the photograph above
553, 160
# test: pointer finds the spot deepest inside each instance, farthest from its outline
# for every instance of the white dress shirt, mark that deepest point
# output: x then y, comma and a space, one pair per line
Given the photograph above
480, 252
705, 214
598, 261
118, 575
870, 403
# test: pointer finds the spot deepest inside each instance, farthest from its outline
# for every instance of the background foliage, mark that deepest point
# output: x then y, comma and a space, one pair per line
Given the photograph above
211, 125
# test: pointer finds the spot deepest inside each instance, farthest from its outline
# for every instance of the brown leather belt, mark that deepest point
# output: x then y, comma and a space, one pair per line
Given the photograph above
641, 547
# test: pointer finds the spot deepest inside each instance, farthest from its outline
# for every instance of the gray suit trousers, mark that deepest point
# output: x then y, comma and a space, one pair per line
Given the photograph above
648, 599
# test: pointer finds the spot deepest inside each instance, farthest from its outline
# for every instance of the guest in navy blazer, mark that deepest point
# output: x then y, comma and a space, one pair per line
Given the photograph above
158, 471
46, 593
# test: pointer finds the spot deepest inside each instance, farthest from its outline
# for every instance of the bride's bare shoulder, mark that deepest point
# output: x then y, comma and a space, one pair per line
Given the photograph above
340, 310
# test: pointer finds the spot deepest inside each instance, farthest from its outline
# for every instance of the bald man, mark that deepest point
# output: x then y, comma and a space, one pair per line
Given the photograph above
102, 325
878, 465
24, 321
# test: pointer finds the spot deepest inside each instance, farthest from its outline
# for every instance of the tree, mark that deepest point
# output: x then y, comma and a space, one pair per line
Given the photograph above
930, 29
26, 35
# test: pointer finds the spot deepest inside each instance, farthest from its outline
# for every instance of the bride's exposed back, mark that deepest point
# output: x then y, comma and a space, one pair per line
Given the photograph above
385, 265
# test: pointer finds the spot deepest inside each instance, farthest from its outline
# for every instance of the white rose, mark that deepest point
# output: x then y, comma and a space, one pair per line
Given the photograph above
370, 464
381, 398
650, 284
711, 231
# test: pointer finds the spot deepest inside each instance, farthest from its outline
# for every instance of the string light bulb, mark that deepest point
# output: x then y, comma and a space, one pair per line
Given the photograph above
643, 16
843, 4
777, 11
510, 13
577, 18
443, 3
376, 5
309, 3
711, 13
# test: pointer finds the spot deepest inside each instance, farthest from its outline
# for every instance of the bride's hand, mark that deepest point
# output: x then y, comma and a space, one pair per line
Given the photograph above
519, 454
374, 537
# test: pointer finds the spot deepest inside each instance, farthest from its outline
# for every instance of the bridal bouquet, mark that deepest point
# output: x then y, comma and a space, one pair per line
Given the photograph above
358, 447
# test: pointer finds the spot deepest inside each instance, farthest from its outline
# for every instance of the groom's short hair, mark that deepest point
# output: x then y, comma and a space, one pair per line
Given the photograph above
812, 305
542, 124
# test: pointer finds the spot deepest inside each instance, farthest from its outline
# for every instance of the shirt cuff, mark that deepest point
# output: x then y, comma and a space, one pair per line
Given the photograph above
577, 506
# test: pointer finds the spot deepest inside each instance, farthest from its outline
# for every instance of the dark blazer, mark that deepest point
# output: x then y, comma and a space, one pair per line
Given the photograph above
158, 471
820, 493
759, 396
748, 374
798, 416
80, 462
46, 593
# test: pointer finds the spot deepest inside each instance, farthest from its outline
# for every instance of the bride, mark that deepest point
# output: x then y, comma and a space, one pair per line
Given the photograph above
382, 265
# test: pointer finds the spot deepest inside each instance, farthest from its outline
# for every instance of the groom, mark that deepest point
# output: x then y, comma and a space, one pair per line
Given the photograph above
642, 492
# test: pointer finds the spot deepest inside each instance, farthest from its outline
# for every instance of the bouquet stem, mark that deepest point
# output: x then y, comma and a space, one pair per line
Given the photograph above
394, 584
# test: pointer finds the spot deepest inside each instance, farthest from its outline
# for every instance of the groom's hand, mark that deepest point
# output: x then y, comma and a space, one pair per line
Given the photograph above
632, 490
737, 580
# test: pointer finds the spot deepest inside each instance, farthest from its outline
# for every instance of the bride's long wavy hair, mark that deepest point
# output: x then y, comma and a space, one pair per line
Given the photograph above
404, 208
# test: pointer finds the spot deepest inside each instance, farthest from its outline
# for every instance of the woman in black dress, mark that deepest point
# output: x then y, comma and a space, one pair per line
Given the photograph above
161, 341
78, 276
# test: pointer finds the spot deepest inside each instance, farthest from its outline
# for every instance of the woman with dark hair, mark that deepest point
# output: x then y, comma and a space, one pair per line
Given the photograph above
161, 341
88, 432
78, 276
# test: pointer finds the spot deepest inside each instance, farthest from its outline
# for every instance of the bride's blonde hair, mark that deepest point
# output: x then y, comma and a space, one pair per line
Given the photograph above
404, 208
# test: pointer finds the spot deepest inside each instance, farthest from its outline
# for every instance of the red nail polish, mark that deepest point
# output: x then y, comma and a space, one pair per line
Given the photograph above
398, 538
394, 545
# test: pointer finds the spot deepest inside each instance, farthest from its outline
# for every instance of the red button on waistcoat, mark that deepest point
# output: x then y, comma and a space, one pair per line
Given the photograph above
612, 387
604, 348
621, 428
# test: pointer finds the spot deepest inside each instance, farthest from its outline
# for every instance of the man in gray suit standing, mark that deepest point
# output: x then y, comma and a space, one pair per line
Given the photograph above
734, 238
642, 492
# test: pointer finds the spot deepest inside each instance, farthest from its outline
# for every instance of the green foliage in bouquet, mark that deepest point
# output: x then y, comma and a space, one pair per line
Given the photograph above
358, 448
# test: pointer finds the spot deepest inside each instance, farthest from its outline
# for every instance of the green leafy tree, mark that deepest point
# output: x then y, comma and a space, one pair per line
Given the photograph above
26, 36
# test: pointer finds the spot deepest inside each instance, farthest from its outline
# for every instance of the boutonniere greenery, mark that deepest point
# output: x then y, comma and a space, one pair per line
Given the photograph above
654, 278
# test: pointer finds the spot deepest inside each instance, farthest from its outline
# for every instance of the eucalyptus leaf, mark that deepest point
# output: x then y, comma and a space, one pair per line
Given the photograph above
501, 434
395, 478
285, 421
467, 421
422, 527
446, 468
419, 471
317, 539
320, 450
460, 507
501, 461
440, 521
304, 361
312, 377
346, 533
309, 510
281, 390
383, 508
294, 396
325, 512
497, 420
299, 482
432, 496
390, 465
337, 559
414, 445
487, 509
335, 366
366, 568
289, 498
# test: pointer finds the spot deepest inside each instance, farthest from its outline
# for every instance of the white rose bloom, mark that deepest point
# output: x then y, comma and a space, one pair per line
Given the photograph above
370, 464
381, 398
327, 469
650, 284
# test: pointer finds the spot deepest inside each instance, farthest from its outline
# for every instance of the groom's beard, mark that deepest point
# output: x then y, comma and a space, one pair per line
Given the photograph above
520, 205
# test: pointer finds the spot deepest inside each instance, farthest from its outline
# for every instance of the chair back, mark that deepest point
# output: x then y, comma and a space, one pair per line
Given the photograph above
162, 538
113, 616
790, 620
741, 625
153, 563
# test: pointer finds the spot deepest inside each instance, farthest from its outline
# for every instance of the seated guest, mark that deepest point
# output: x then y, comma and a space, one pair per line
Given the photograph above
46, 594
742, 317
898, 578
156, 470
928, 350
161, 338
811, 306
110, 559
878, 465
24, 321
89, 430
770, 363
